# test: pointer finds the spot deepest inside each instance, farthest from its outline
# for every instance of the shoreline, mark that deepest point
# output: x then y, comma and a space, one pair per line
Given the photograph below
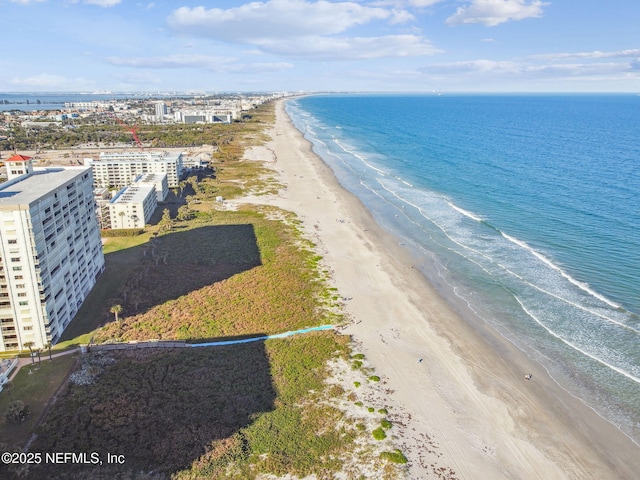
468, 396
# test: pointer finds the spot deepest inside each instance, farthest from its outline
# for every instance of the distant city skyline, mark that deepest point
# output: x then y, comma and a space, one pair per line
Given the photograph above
298, 45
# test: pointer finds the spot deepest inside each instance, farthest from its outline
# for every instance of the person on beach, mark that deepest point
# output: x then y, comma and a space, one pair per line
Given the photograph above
528, 376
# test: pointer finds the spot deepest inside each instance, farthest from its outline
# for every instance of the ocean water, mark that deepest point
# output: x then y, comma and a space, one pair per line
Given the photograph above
525, 209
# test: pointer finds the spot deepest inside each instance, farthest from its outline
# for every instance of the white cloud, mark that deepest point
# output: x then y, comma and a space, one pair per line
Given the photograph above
351, 48
26, 2
634, 53
483, 68
46, 81
211, 63
301, 28
99, 3
495, 12
275, 18
103, 3
171, 61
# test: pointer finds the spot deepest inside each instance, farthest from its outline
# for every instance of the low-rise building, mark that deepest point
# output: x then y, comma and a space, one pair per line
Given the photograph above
133, 206
158, 180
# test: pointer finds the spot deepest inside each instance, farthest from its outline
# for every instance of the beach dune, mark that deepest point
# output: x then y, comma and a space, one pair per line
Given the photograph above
468, 412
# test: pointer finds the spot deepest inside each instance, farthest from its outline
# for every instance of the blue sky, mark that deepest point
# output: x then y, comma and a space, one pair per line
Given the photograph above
309, 45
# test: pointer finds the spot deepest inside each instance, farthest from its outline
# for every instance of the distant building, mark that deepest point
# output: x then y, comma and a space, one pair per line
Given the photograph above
161, 111
121, 169
50, 251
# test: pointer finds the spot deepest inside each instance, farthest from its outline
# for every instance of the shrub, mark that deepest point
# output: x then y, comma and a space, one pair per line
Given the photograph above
356, 364
374, 378
357, 384
383, 411
17, 411
385, 423
359, 404
122, 232
379, 434
371, 409
394, 457
358, 356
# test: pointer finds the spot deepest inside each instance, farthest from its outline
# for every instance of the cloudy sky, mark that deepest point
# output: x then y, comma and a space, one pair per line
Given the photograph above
311, 45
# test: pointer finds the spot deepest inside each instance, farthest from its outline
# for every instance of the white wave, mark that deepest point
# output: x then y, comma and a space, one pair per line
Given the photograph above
508, 270
464, 212
581, 285
359, 157
575, 347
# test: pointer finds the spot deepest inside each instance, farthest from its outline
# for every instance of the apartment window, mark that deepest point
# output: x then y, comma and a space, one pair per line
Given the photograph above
23, 303
15, 259
17, 269
18, 277
27, 328
21, 285
22, 294
12, 241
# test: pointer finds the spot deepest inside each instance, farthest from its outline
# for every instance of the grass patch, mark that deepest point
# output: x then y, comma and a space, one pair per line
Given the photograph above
34, 389
374, 378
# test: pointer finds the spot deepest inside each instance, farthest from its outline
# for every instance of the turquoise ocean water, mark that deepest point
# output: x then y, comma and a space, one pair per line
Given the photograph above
526, 209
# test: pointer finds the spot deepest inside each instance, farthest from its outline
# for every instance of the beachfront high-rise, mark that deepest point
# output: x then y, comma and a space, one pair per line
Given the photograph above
121, 169
50, 251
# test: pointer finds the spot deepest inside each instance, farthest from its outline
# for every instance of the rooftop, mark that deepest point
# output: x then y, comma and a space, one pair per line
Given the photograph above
18, 158
132, 194
25, 190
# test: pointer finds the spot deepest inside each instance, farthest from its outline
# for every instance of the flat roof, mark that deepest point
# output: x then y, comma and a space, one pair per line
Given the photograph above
24, 190
132, 194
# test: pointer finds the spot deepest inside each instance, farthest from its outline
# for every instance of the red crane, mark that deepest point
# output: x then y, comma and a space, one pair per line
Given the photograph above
129, 127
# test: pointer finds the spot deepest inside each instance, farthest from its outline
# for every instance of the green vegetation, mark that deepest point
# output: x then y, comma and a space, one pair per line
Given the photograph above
383, 411
394, 457
379, 434
374, 378
385, 423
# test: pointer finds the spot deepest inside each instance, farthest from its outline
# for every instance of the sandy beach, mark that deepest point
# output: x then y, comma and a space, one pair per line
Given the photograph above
468, 411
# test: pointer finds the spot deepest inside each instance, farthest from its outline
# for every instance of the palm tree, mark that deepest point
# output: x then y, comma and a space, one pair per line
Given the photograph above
116, 309
29, 345
48, 346
121, 219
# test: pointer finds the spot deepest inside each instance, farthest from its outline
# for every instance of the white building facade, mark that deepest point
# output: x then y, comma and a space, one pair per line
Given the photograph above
133, 206
50, 252
121, 169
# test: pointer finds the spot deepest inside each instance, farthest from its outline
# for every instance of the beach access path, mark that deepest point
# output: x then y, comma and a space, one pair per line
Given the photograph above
470, 410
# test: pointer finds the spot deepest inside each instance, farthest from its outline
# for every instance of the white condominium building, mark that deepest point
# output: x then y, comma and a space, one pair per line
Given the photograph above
121, 169
133, 206
157, 180
50, 251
